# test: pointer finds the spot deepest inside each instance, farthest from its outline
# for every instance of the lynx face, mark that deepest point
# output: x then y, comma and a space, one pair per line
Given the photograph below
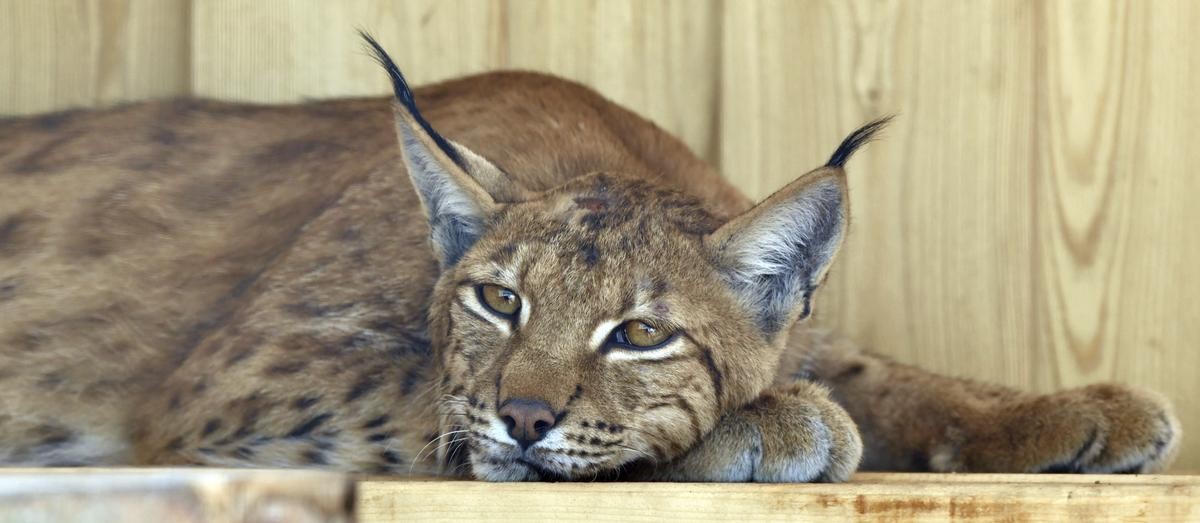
609, 320
590, 328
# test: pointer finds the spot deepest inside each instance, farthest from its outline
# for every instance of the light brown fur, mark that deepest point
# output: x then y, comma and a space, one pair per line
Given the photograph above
210, 283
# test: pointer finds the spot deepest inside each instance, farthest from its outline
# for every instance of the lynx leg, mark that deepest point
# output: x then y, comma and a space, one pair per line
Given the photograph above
916, 420
791, 433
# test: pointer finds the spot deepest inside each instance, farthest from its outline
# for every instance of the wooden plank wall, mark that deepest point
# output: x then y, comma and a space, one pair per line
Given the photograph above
1028, 219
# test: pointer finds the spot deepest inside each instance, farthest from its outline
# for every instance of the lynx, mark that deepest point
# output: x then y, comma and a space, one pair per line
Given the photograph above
519, 280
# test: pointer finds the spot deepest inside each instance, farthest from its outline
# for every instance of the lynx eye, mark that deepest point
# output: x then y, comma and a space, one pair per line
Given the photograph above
639, 334
500, 300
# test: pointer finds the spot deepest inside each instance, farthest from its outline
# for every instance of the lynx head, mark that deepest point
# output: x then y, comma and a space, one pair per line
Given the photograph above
610, 320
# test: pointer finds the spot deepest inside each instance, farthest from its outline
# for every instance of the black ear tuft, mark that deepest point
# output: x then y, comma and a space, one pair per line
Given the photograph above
857, 139
405, 96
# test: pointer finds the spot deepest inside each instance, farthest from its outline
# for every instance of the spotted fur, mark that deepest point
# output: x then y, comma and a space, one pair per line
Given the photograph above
196, 282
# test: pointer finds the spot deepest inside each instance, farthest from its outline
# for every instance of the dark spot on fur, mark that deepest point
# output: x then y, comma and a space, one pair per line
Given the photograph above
175, 444
350, 234
51, 157
850, 372
238, 356
1059, 468
659, 287
206, 450
561, 416
393, 337
591, 204
314, 457
243, 453
575, 395
307, 309
379, 436
918, 462
199, 387
54, 121
18, 233
244, 430
7, 228
591, 255
284, 369
51, 380
164, 136
375, 422
305, 402
8, 289
713, 372
1093, 436
364, 385
310, 425
593, 221
53, 435
508, 250
411, 378
390, 457
211, 426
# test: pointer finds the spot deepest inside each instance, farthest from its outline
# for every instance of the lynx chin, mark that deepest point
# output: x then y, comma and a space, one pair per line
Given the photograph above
503, 276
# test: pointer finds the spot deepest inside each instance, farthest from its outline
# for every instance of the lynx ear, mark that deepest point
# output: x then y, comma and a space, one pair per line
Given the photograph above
774, 255
459, 189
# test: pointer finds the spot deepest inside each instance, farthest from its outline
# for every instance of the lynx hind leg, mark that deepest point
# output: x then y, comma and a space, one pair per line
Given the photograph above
912, 419
791, 433
1103, 428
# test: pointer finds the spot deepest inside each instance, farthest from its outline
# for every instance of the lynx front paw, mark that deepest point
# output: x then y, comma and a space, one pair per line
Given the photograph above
1096, 429
789, 434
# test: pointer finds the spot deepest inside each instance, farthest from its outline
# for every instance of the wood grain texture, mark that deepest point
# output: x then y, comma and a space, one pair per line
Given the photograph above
174, 494
869, 497
191, 494
1028, 219
658, 58
58, 54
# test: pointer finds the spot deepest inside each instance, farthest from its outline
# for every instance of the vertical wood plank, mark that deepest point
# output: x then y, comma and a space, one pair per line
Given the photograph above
659, 57
60, 54
1118, 273
290, 50
936, 269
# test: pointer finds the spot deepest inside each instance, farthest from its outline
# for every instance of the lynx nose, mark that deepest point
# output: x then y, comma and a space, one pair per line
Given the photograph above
527, 420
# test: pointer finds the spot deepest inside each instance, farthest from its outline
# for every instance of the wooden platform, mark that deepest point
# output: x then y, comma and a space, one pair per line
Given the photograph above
298, 496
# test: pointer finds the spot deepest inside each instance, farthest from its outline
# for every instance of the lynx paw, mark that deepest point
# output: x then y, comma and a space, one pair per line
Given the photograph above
1096, 429
789, 434
1128, 431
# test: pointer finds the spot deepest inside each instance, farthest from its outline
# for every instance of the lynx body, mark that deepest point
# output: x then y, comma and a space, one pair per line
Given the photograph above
506, 276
